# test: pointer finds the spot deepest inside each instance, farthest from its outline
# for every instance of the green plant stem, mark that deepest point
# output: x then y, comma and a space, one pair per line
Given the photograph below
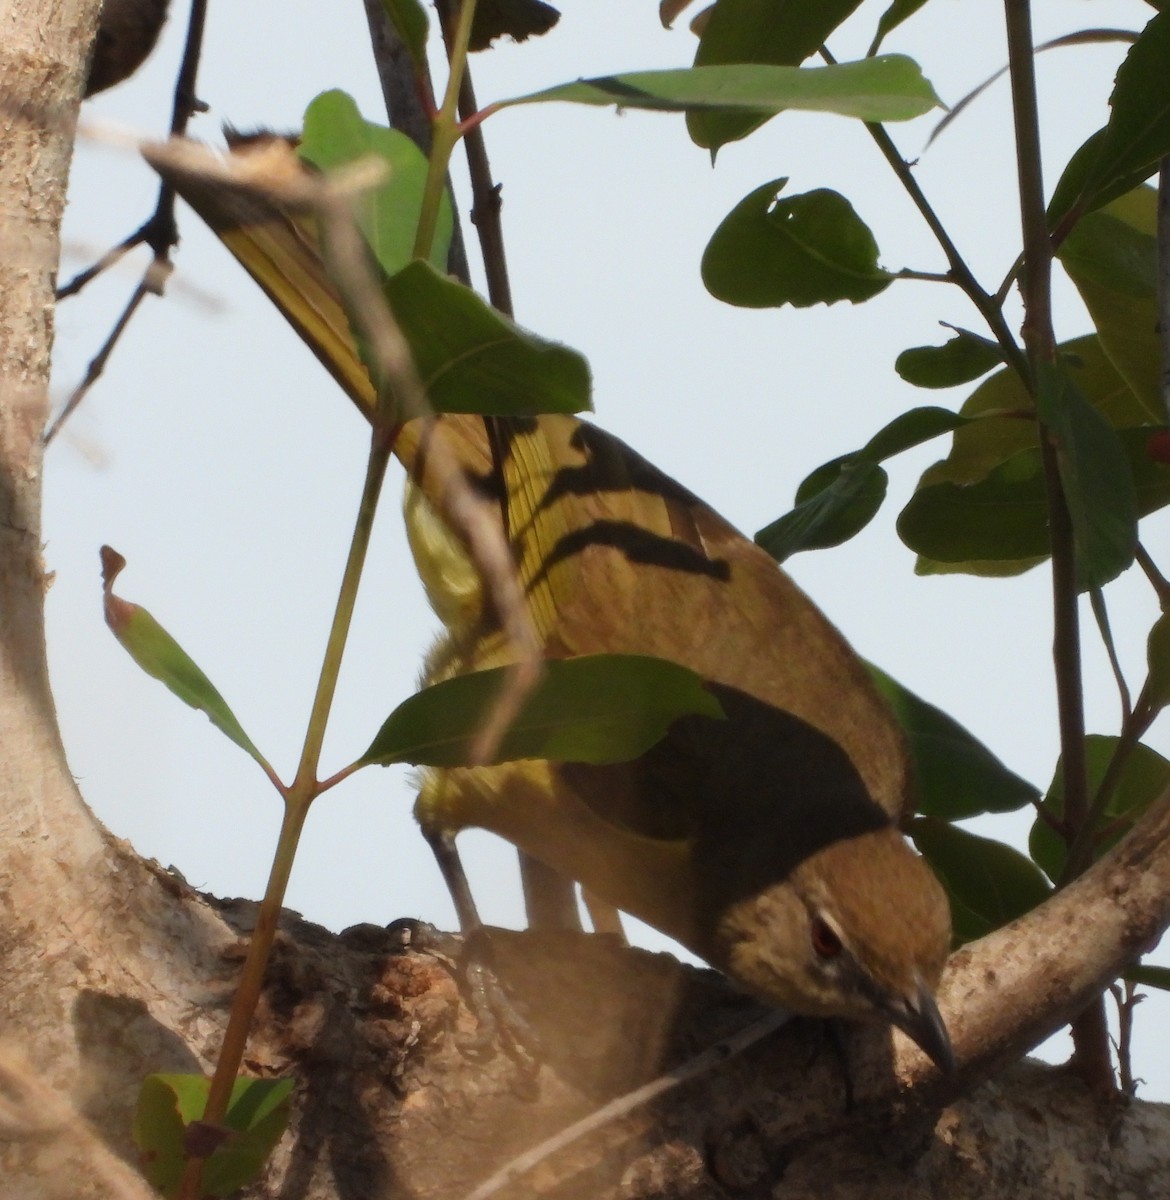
960, 272
1090, 1033
1158, 581
298, 798
446, 133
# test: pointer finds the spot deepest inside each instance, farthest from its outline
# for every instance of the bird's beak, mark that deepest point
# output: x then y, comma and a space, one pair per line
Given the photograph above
917, 1016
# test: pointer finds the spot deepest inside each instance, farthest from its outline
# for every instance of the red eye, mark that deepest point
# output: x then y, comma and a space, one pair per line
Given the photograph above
824, 940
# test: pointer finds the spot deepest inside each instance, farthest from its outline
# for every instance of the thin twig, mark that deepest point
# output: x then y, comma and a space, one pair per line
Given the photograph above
1158, 581
701, 1064
1101, 615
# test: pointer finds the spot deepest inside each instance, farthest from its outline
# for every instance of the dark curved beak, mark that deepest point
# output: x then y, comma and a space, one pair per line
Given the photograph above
917, 1016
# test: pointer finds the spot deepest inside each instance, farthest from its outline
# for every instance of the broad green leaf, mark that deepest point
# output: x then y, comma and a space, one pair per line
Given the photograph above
898, 12
516, 19
964, 358
1144, 777
597, 708
848, 494
409, 19
1158, 658
888, 88
1111, 257
955, 774
800, 250
158, 654
337, 135
1138, 132
1069, 203
472, 359
988, 882
840, 498
780, 33
1158, 977
1095, 478
257, 1117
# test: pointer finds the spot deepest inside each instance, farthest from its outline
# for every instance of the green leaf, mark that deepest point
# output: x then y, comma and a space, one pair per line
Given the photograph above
989, 884
1158, 977
955, 774
1144, 777
517, 19
840, 498
779, 33
1138, 132
598, 708
802, 250
257, 1117
336, 135
1069, 203
158, 654
1158, 657
472, 359
964, 358
1095, 477
409, 19
1111, 257
888, 88
898, 12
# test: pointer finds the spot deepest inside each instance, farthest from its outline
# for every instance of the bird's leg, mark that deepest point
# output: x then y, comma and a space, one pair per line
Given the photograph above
550, 900
604, 917
498, 1019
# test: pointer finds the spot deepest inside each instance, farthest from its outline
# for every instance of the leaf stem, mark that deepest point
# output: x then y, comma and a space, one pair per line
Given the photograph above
446, 132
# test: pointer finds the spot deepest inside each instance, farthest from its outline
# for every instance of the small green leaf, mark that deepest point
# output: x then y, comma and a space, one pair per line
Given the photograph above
1138, 132
158, 654
887, 88
1069, 203
336, 135
1158, 977
964, 358
898, 12
955, 774
1158, 657
472, 359
801, 250
1111, 257
774, 32
598, 708
1095, 477
1144, 777
840, 498
409, 19
988, 882
256, 1119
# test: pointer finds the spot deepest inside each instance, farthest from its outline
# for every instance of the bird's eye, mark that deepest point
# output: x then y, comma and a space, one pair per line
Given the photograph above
824, 939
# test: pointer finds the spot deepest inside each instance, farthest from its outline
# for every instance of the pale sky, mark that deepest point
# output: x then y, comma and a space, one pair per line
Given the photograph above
224, 463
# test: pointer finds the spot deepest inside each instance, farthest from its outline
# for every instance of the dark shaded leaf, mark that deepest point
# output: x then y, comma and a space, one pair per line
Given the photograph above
840, 498
1144, 777
964, 358
472, 359
898, 12
517, 19
1095, 477
889, 88
1158, 658
800, 250
336, 135
780, 33
1138, 132
955, 774
598, 708
1071, 184
988, 882
158, 654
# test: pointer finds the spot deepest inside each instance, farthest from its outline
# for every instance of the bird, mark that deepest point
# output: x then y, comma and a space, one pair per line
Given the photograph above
126, 34
769, 843
766, 842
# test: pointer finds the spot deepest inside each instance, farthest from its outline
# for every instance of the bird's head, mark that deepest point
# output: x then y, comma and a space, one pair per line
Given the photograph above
860, 929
